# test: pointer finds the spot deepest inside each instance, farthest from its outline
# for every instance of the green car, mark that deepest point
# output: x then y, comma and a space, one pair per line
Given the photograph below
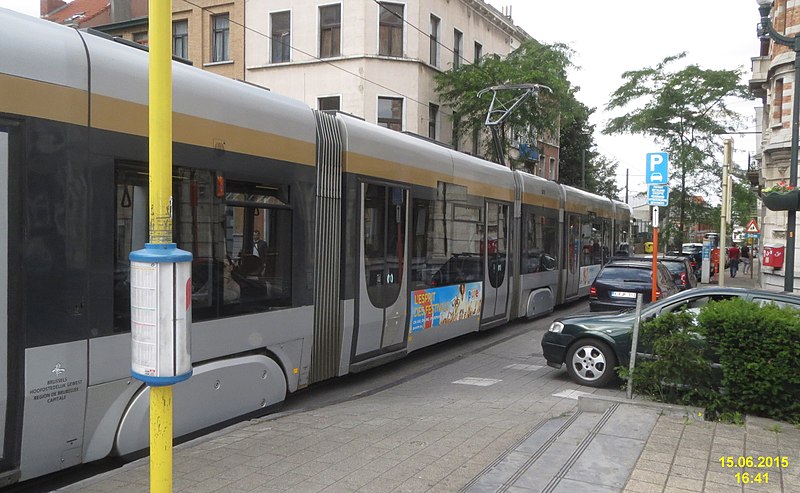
593, 345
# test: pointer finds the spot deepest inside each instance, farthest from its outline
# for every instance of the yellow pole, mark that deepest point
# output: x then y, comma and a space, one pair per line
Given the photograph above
161, 439
160, 37
160, 132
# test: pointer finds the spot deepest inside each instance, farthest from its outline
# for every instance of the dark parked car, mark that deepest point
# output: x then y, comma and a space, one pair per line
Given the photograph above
619, 281
695, 261
592, 345
680, 267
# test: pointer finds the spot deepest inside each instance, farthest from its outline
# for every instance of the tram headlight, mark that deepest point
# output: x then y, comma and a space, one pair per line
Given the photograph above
556, 327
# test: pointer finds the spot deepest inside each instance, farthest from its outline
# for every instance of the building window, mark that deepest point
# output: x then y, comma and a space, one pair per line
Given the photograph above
180, 39
329, 103
777, 111
458, 42
390, 113
140, 38
330, 29
433, 118
221, 38
435, 22
553, 174
478, 52
391, 29
281, 34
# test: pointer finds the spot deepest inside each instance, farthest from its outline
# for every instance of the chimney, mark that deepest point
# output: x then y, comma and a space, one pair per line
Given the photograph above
47, 7
120, 10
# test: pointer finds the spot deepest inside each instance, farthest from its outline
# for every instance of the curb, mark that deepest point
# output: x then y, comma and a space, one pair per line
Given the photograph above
597, 404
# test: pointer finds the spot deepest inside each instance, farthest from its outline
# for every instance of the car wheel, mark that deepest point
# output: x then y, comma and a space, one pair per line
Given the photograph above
590, 362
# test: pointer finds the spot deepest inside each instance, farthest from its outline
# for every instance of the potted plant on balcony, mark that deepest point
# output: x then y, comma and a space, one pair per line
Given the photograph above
781, 197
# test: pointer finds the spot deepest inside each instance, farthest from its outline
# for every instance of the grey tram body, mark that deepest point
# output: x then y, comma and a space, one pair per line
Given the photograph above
72, 115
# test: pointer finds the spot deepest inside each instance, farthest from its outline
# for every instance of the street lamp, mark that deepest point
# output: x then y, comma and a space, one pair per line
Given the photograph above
764, 8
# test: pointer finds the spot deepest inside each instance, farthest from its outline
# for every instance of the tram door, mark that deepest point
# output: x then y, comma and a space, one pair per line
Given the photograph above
572, 258
383, 285
496, 247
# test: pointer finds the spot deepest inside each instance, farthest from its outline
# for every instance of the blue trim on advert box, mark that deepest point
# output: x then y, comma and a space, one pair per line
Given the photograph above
161, 381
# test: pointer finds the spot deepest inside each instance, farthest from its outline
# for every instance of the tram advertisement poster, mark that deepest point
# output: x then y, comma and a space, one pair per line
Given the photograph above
439, 306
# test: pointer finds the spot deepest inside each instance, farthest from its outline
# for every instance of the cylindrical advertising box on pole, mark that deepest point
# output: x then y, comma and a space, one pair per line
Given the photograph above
161, 316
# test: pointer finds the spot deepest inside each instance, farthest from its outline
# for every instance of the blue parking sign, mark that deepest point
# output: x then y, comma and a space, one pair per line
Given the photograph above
657, 168
658, 195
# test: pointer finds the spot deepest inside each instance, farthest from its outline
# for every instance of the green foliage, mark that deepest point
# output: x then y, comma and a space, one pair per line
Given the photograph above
759, 350
575, 140
678, 370
743, 204
532, 62
685, 110
601, 177
757, 347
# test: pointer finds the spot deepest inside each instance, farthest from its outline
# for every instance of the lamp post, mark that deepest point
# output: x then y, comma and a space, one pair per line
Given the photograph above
764, 8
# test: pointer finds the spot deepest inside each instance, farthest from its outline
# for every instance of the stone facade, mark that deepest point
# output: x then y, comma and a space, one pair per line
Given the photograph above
773, 81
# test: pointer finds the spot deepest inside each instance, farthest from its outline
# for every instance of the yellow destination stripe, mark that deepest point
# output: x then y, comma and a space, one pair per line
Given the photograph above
201, 132
391, 170
69, 105
43, 100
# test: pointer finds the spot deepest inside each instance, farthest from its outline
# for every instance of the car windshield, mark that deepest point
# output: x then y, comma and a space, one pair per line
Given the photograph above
624, 273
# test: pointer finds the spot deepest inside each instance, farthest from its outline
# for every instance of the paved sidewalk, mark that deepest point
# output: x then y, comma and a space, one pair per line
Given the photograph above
690, 455
494, 421
741, 280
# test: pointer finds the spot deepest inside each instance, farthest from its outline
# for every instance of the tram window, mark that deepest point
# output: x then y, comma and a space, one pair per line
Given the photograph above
448, 238
497, 230
592, 240
257, 246
606, 240
224, 282
384, 242
539, 247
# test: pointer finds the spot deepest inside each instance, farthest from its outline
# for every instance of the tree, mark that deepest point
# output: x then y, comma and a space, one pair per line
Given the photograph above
684, 110
580, 165
743, 203
575, 145
601, 176
532, 62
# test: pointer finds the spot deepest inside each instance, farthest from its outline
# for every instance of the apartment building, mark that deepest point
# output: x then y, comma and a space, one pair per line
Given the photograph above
773, 82
207, 33
373, 59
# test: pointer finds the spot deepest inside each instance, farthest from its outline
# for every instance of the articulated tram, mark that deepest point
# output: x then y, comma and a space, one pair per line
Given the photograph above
322, 245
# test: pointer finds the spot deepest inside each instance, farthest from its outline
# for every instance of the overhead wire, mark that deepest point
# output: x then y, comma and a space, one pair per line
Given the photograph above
324, 60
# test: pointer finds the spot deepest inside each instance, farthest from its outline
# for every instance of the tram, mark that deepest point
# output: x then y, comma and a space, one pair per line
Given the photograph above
322, 245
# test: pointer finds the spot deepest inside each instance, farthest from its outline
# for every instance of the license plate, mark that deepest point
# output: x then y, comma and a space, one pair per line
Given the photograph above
622, 294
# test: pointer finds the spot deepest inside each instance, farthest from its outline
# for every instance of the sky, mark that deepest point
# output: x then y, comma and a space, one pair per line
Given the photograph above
30, 7
610, 37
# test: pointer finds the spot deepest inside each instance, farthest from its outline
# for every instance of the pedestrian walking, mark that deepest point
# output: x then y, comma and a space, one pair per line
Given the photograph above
734, 255
747, 260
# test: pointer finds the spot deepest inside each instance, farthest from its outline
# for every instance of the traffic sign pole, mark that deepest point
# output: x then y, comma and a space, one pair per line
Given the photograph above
654, 288
657, 179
